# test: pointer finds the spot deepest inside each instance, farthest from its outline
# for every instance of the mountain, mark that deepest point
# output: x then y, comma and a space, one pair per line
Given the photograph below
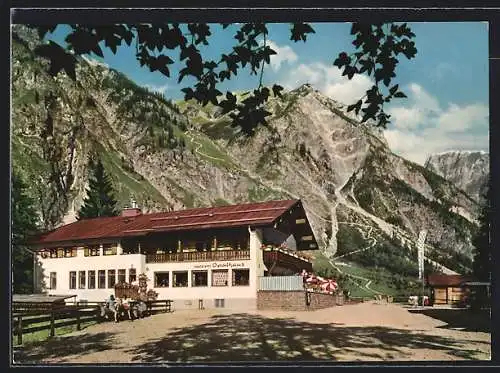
364, 203
468, 170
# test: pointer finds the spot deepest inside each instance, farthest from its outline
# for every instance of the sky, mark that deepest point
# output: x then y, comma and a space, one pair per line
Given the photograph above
446, 83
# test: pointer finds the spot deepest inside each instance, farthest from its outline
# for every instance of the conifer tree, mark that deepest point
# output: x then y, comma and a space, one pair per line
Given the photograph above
24, 224
100, 200
482, 265
482, 244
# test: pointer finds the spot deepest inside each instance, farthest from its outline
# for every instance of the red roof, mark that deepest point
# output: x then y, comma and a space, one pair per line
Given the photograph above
261, 213
438, 279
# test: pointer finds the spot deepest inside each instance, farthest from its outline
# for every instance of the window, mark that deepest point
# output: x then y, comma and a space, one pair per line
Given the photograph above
72, 280
53, 253
180, 279
121, 276
111, 278
241, 277
162, 279
70, 252
60, 253
53, 280
109, 249
91, 280
102, 279
131, 275
92, 251
200, 278
300, 221
219, 277
219, 303
81, 280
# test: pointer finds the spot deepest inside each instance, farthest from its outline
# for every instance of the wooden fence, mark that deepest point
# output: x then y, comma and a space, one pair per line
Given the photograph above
24, 321
25, 316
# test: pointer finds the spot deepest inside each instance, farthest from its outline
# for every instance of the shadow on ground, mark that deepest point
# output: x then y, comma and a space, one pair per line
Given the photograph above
245, 337
465, 319
62, 348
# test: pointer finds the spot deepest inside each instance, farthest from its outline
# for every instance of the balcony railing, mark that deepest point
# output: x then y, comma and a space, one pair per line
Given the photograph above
205, 256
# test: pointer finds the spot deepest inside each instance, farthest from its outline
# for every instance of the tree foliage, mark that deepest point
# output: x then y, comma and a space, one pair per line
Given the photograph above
24, 225
482, 244
100, 200
377, 48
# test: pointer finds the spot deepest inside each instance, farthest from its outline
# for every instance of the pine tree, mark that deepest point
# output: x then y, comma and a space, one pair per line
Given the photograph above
100, 200
482, 244
481, 265
24, 224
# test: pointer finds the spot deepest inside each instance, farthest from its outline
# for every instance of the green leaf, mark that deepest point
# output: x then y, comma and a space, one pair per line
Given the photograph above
394, 89
299, 31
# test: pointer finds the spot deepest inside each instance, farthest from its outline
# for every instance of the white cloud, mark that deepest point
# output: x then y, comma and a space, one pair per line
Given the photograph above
461, 119
283, 54
423, 100
406, 117
424, 127
422, 106
329, 80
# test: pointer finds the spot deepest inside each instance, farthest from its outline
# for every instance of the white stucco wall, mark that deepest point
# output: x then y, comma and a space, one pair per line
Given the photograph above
63, 266
203, 292
257, 253
185, 296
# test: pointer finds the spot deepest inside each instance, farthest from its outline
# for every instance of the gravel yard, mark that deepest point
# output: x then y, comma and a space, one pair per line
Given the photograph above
358, 332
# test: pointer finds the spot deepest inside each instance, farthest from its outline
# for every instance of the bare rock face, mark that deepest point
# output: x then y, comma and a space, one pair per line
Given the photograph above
172, 156
468, 170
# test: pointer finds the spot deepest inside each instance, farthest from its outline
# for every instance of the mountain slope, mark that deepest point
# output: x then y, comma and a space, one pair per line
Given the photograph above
468, 170
169, 155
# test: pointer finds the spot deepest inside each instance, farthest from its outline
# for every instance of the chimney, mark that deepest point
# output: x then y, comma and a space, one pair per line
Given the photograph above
132, 211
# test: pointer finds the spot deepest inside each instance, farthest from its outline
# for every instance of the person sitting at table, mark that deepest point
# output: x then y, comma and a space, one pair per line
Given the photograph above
127, 307
111, 305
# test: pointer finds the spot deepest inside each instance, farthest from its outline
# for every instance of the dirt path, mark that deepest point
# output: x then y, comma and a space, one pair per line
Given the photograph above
361, 332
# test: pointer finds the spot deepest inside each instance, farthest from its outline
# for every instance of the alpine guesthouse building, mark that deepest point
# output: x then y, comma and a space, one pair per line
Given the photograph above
216, 254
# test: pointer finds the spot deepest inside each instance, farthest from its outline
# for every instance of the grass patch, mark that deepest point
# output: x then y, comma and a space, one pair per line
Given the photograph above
126, 183
44, 335
208, 151
219, 129
25, 158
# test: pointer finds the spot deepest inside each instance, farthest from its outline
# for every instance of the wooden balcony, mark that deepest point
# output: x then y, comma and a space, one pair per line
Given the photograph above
283, 259
204, 256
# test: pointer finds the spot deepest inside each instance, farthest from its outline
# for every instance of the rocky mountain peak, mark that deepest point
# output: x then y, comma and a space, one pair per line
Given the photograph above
468, 170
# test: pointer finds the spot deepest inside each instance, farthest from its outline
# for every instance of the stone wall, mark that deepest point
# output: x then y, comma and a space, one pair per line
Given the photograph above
318, 301
295, 300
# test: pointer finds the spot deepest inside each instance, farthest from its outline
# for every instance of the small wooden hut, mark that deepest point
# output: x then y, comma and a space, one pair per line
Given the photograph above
448, 289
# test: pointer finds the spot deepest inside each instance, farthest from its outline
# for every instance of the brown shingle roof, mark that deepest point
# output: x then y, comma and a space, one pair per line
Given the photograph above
261, 213
438, 279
